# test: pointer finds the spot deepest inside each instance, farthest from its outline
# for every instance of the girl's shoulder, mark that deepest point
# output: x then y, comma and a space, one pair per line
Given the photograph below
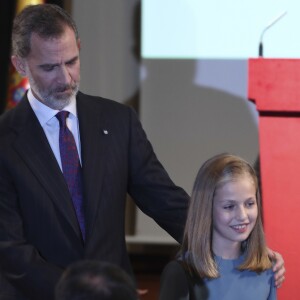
174, 282
174, 269
177, 282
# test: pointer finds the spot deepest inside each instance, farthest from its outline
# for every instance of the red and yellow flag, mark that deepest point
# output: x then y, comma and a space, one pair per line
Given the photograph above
17, 85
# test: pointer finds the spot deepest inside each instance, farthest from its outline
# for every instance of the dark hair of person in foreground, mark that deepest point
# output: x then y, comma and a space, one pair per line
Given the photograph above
94, 280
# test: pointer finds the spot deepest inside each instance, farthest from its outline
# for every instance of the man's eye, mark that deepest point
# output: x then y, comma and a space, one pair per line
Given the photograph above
72, 62
48, 68
249, 204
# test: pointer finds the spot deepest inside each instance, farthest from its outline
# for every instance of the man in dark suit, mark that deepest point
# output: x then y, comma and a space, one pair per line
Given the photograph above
40, 234
67, 161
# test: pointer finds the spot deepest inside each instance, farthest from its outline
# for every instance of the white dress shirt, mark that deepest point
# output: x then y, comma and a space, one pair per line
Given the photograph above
50, 124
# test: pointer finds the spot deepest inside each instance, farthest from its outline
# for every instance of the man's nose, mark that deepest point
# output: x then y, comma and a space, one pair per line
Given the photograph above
64, 75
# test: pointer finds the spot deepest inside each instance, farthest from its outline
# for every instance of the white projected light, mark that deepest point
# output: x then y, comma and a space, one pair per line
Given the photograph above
218, 29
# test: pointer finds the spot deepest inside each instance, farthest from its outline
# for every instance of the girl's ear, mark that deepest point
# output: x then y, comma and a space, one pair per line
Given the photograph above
19, 64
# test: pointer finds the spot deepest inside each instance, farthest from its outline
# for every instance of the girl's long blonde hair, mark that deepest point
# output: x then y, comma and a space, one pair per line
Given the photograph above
196, 250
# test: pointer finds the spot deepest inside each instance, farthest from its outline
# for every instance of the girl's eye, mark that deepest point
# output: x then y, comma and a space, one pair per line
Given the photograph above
229, 207
249, 204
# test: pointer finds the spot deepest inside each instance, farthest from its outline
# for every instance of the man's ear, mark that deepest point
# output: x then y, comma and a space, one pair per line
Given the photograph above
19, 64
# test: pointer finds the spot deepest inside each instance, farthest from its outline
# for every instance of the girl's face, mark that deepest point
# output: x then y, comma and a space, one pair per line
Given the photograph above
234, 215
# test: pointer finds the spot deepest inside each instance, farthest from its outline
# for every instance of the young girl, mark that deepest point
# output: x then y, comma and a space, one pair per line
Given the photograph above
223, 254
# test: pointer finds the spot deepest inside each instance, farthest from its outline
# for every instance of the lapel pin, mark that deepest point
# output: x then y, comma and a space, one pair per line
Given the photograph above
105, 131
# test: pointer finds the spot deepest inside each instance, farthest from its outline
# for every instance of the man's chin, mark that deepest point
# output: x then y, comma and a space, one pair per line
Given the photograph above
58, 100
62, 95
58, 103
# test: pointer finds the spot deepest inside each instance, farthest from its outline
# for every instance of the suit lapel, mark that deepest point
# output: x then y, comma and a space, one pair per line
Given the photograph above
92, 126
33, 147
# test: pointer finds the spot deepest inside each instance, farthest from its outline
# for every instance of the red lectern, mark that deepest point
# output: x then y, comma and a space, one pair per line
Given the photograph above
274, 86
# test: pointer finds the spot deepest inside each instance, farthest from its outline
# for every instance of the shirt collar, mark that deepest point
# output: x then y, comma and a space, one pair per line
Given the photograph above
44, 113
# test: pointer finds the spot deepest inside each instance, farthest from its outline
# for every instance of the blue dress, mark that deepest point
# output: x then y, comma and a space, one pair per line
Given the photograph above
177, 284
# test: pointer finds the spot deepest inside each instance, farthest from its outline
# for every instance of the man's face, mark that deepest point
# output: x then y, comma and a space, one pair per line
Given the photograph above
53, 68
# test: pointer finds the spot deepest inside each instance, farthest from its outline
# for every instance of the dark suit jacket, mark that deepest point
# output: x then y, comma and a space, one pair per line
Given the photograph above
39, 233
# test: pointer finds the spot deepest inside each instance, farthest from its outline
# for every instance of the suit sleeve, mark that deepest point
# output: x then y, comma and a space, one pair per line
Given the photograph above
174, 283
151, 187
20, 263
